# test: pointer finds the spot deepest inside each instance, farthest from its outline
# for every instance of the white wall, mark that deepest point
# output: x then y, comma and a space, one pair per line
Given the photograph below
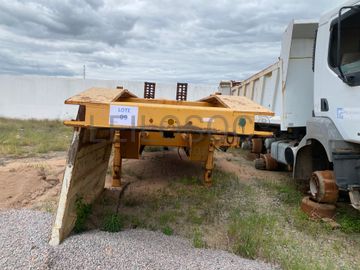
40, 97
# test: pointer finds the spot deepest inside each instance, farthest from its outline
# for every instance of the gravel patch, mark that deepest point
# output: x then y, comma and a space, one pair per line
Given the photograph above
24, 236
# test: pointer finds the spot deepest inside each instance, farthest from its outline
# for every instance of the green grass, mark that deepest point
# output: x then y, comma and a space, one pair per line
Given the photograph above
83, 211
167, 217
136, 222
251, 233
286, 190
32, 137
260, 219
168, 230
194, 216
198, 239
113, 223
185, 205
349, 219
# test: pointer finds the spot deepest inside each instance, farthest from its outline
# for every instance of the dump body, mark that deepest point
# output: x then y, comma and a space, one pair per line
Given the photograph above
286, 87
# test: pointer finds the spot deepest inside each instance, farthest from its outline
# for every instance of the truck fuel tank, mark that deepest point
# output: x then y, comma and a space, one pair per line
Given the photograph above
284, 151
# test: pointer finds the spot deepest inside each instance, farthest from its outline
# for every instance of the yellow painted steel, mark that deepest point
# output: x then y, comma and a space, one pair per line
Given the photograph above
159, 117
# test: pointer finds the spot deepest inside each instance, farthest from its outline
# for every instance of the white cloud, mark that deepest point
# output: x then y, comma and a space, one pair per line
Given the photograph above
174, 40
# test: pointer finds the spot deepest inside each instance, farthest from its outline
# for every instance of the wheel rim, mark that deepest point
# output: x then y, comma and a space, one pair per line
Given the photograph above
314, 186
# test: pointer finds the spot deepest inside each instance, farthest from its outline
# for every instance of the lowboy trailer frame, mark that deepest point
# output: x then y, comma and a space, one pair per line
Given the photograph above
118, 118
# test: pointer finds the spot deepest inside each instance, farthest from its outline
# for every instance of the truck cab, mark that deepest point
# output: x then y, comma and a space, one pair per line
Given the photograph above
337, 70
332, 140
314, 90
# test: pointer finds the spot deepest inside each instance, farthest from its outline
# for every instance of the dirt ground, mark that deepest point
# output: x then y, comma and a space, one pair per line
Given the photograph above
36, 182
30, 182
254, 214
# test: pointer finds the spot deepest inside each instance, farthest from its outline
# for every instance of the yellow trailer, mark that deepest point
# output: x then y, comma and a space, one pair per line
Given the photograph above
116, 117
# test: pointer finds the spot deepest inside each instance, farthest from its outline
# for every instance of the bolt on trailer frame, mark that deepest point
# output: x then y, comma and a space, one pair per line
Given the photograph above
118, 118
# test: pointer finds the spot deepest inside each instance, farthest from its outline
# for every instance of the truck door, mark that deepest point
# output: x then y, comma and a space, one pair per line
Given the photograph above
337, 72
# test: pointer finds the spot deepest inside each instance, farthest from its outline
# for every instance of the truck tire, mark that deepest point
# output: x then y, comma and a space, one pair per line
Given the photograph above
323, 187
317, 210
271, 164
260, 164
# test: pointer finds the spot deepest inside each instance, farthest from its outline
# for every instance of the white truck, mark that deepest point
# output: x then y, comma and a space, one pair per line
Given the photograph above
314, 90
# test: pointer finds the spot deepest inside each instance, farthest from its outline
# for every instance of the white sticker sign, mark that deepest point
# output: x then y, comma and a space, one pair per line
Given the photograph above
123, 115
348, 113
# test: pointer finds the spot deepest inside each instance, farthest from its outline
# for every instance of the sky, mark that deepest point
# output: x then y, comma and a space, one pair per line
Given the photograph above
197, 41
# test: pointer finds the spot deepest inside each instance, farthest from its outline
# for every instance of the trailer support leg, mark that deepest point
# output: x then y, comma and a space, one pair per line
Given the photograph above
116, 181
209, 164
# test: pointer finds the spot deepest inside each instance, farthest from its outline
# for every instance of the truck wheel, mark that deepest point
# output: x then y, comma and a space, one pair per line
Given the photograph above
260, 164
323, 187
317, 210
271, 164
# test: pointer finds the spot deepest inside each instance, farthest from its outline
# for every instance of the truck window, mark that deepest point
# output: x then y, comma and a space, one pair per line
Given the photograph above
349, 49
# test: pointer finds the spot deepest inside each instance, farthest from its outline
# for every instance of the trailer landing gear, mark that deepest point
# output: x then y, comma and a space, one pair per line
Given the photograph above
209, 164
116, 181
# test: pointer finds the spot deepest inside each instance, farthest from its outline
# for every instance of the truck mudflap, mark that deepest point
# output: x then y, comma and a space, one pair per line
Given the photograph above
355, 198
